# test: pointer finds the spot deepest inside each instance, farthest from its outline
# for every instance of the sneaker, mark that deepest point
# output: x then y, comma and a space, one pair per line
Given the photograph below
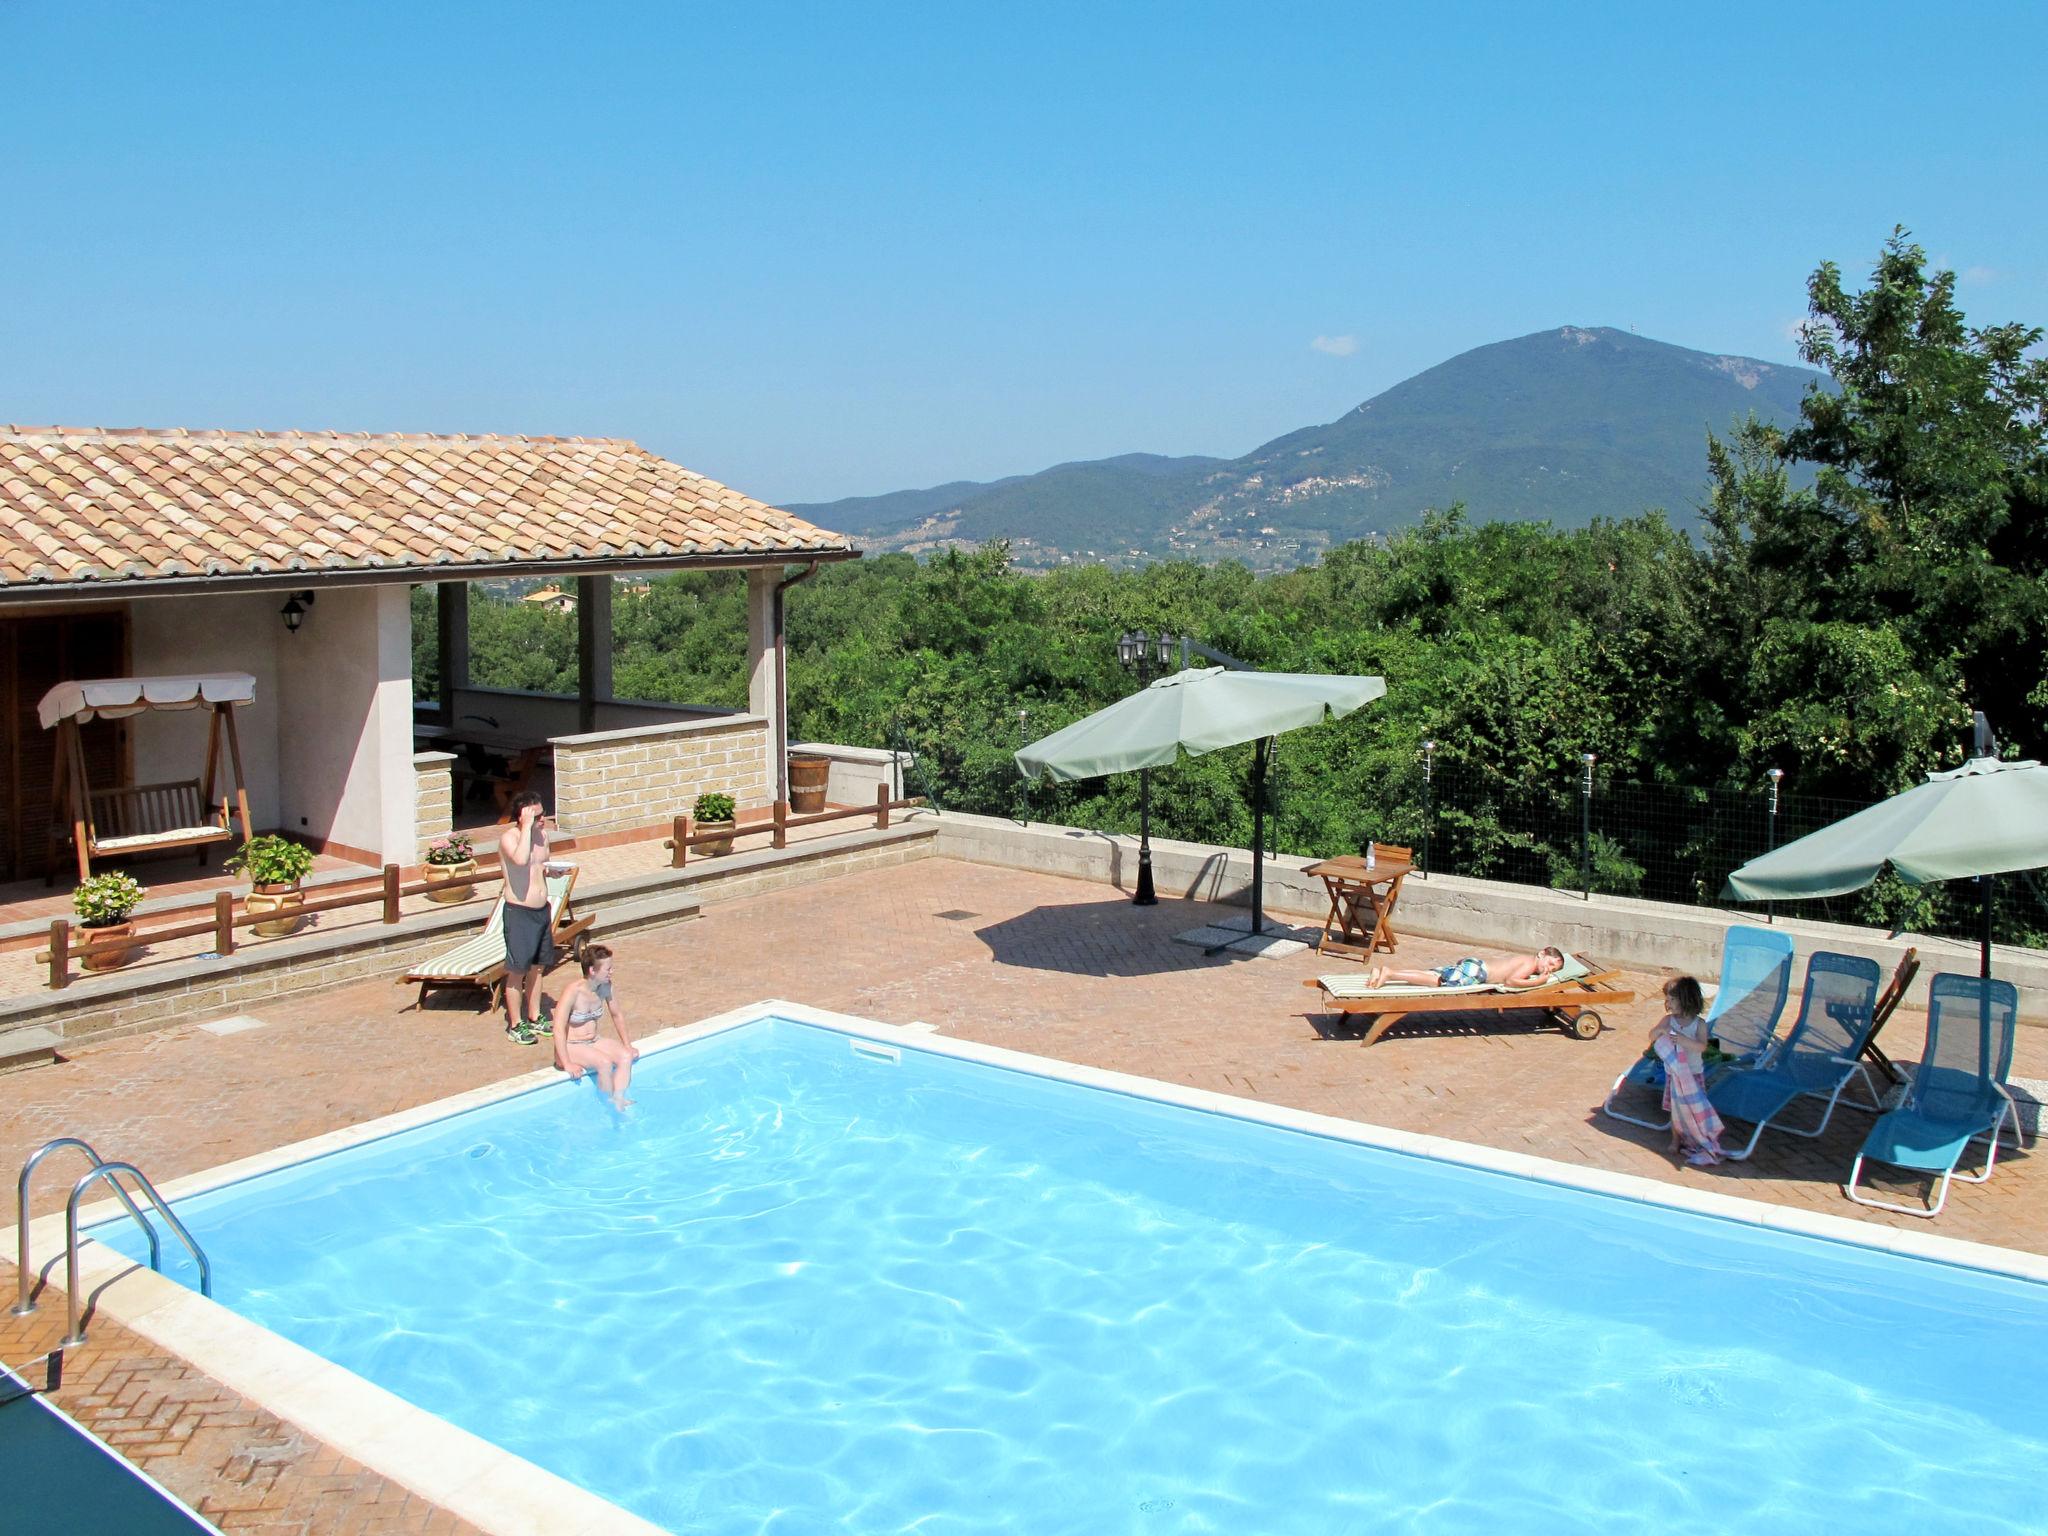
521, 1033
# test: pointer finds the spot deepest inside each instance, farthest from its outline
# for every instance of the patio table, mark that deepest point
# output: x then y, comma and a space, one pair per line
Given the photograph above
1361, 917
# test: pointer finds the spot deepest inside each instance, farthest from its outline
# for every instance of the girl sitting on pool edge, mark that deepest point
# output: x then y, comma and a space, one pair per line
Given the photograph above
578, 1047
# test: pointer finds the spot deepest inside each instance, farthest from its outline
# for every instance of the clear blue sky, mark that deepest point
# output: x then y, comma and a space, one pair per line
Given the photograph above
846, 248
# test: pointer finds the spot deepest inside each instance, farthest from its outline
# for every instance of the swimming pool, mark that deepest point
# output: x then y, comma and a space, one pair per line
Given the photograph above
810, 1282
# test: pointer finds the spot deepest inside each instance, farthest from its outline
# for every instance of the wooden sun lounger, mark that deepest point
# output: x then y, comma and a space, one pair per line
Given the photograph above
1570, 1004
479, 962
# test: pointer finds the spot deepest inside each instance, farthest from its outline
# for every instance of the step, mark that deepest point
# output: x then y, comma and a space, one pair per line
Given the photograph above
24, 1048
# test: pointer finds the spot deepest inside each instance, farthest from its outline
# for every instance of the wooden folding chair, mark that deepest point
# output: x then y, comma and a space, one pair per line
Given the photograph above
1887, 1002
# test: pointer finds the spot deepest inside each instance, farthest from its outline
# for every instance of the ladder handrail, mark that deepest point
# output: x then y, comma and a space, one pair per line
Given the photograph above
23, 1304
112, 1172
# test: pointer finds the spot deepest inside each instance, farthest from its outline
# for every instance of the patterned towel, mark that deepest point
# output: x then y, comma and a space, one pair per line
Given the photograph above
1695, 1120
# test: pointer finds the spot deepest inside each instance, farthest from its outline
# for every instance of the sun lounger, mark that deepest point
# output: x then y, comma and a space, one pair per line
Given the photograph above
480, 961
1958, 1095
1837, 1016
1568, 998
1756, 978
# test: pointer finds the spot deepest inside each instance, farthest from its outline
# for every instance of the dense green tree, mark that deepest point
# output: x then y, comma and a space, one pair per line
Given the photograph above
1910, 582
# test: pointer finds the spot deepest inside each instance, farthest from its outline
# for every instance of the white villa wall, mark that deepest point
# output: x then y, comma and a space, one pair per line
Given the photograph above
226, 633
344, 685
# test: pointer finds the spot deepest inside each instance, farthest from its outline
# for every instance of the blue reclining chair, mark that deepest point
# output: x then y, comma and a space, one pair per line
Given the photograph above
1837, 1013
1959, 1093
1756, 976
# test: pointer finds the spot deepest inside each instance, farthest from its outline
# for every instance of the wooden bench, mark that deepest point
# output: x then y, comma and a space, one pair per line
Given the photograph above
144, 819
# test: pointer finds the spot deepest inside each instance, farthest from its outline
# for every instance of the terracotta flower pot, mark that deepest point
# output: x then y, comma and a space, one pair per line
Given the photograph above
104, 949
450, 881
281, 899
717, 845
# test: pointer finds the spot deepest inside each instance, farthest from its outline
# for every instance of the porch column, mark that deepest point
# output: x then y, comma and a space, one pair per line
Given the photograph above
593, 647
451, 613
763, 697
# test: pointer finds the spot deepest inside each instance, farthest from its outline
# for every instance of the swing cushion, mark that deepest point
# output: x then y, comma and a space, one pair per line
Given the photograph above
145, 817
170, 837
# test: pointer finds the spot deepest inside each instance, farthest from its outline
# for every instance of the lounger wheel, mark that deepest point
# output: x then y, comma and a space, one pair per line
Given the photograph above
1585, 1024
577, 946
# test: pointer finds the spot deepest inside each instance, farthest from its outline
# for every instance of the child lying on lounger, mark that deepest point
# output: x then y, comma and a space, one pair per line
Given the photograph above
1515, 971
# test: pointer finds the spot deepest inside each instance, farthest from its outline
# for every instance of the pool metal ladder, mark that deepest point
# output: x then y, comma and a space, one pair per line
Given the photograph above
111, 1173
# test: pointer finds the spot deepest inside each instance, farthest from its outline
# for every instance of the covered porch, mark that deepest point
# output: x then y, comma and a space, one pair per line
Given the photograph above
292, 558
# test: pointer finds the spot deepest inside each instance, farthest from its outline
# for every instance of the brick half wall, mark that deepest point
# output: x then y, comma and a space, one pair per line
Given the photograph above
609, 780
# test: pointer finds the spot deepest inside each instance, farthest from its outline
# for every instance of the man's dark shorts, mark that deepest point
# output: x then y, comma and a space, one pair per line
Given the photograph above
528, 941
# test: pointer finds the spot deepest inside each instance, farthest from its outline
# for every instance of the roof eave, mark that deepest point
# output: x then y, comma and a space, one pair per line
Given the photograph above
51, 593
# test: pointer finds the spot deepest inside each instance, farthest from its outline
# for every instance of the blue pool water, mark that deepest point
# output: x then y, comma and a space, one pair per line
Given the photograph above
796, 1289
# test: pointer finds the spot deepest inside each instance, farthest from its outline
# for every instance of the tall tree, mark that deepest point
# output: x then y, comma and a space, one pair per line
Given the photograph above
1932, 477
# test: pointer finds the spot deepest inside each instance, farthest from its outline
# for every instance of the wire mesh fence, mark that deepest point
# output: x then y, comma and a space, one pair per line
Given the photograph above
1667, 842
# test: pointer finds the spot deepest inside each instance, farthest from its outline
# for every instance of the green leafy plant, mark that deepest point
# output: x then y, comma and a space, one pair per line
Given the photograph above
101, 901
713, 805
271, 860
455, 848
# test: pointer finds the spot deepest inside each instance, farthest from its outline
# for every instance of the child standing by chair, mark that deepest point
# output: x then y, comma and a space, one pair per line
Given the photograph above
1680, 1043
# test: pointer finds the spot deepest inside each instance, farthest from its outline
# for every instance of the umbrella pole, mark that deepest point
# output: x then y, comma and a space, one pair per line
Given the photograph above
1984, 958
1258, 835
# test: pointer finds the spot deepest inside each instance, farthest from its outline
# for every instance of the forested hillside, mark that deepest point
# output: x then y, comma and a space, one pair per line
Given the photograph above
1562, 426
1840, 633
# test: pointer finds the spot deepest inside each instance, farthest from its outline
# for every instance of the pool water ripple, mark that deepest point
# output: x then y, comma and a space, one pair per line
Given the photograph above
797, 1290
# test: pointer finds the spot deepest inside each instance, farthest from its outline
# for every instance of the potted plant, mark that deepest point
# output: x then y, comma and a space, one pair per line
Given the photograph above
275, 866
103, 904
448, 863
713, 812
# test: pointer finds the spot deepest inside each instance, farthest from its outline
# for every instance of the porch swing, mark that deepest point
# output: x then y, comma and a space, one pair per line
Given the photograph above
130, 821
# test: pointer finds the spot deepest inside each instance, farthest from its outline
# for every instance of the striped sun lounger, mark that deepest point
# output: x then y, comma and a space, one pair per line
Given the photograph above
480, 961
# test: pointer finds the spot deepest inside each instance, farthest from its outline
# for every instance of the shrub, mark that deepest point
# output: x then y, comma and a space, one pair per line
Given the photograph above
101, 901
713, 805
271, 860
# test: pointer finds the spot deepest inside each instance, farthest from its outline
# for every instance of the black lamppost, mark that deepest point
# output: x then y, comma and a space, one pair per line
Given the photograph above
1428, 801
1586, 761
1140, 653
1777, 777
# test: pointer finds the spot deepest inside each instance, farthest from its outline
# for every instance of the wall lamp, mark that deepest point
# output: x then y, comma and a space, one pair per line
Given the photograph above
294, 610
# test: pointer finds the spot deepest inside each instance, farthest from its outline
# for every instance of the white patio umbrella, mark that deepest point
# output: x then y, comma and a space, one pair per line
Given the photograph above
1198, 710
1983, 819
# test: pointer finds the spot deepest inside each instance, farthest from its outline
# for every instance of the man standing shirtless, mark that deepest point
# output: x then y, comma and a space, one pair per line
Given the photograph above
529, 943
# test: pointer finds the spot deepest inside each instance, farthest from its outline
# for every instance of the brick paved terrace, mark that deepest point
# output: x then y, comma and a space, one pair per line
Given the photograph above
1032, 962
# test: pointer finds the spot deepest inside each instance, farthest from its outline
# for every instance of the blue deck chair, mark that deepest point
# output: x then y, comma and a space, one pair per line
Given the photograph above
1959, 1093
1756, 976
1837, 1012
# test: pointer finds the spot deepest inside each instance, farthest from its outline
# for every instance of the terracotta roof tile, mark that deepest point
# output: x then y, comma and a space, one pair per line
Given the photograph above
84, 504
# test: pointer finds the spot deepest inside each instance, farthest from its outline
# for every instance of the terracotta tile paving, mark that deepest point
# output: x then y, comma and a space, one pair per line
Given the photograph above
240, 1467
1033, 962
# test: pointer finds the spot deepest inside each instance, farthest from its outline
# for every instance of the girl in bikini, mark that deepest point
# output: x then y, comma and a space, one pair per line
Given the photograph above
586, 1004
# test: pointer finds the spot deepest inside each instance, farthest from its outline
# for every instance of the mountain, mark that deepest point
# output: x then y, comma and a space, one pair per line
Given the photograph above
1565, 425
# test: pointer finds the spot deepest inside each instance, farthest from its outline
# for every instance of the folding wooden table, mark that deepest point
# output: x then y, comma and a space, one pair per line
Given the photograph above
1360, 923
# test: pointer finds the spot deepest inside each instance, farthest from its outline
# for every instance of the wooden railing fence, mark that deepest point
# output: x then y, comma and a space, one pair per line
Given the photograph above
69, 940
779, 825
226, 913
